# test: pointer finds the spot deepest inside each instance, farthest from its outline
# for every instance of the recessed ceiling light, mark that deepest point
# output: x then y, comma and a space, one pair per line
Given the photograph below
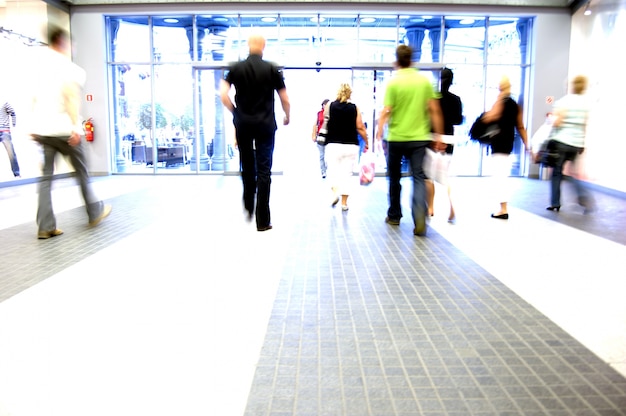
268, 19
221, 19
467, 21
367, 20
314, 19
170, 20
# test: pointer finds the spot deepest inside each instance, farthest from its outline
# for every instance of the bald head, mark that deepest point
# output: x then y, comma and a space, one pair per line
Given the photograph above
256, 44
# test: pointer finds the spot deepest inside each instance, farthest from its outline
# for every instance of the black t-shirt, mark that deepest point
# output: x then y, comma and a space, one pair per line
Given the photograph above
452, 110
342, 123
255, 81
503, 141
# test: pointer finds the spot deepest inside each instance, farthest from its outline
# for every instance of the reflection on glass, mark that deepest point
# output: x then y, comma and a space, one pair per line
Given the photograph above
171, 40
378, 37
129, 39
173, 97
503, 41
132, 129
464, 40
339, 34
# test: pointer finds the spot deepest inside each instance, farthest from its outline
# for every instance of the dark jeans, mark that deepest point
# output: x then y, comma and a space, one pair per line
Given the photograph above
566, 153
256, 149
414, 153
51, 146
5, 138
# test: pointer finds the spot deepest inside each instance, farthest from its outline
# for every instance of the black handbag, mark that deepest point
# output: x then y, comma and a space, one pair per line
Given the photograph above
483, 132
548, 154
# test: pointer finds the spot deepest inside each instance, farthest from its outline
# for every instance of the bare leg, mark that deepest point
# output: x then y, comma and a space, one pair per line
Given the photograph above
430, 196
452, 215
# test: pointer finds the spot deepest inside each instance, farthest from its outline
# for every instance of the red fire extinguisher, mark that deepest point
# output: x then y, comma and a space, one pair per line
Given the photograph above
88, 127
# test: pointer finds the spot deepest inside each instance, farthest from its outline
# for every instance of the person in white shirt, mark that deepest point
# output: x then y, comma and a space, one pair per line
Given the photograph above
56, 126
569, 130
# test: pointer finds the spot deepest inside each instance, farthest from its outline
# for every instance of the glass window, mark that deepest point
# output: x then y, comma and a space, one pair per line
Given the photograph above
218, 37
464, 41
302, 39
503, 41
129, 38
378, 38
338, 33
422, 33
293, 40
172, 38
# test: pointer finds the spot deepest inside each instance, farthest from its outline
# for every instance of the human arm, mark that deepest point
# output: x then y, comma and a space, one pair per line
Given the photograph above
521, 129
495, 112
284, 102
360, 128
225, 97
71, 103
436, 120
383, 118
11, 113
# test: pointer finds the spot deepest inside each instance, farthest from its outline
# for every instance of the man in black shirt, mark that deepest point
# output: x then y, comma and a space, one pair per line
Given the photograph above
255, 81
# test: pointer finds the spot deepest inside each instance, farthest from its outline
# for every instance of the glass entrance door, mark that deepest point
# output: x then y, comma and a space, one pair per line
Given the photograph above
213, 136
212, 142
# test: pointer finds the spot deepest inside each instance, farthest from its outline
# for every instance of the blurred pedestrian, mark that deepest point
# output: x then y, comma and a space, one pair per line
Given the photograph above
410, 109
255, 81
321, 145
452, 111
8, 120
56, 126
343, 122
569, 131
508, 115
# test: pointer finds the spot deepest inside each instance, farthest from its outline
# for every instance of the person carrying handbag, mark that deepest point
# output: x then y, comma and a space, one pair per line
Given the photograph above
570, 120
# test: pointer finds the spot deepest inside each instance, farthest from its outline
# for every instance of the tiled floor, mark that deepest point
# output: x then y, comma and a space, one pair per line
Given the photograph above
177, 306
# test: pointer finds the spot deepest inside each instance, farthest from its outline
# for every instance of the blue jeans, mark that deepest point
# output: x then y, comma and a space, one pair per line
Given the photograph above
414, 153
52, 145
566, 153
256, 150
322, 150
5, 138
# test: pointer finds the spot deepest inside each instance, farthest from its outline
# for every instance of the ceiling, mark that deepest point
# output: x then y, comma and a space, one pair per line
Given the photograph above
521, 3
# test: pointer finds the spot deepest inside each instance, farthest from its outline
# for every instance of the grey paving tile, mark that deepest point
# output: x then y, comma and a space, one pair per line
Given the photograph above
412, 334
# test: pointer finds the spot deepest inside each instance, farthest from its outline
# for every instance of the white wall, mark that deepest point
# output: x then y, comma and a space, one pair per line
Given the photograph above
598, 51
550, 58
89, 37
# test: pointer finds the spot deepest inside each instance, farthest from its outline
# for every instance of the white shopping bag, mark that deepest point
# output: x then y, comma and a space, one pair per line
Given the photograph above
436, 165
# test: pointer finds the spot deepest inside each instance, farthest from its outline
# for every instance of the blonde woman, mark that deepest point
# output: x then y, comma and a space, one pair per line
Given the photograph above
508, 114
343, 124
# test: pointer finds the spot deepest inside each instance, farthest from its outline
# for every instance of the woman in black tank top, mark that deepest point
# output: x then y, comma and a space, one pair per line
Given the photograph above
507, 113
343, 124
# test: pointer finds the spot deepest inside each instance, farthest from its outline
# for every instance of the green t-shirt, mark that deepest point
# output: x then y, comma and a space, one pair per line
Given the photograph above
408, 94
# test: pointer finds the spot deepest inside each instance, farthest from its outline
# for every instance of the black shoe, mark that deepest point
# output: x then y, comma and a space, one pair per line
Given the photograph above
267, 227
392, 221
501, 216
554, 208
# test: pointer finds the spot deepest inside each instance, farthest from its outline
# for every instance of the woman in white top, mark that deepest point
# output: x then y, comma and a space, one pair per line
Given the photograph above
569, 130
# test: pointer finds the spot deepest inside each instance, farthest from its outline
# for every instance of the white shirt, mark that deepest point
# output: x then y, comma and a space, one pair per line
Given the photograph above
56, 75
572, 128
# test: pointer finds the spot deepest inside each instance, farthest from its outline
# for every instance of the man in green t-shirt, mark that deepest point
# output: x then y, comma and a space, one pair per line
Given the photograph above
411, 109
